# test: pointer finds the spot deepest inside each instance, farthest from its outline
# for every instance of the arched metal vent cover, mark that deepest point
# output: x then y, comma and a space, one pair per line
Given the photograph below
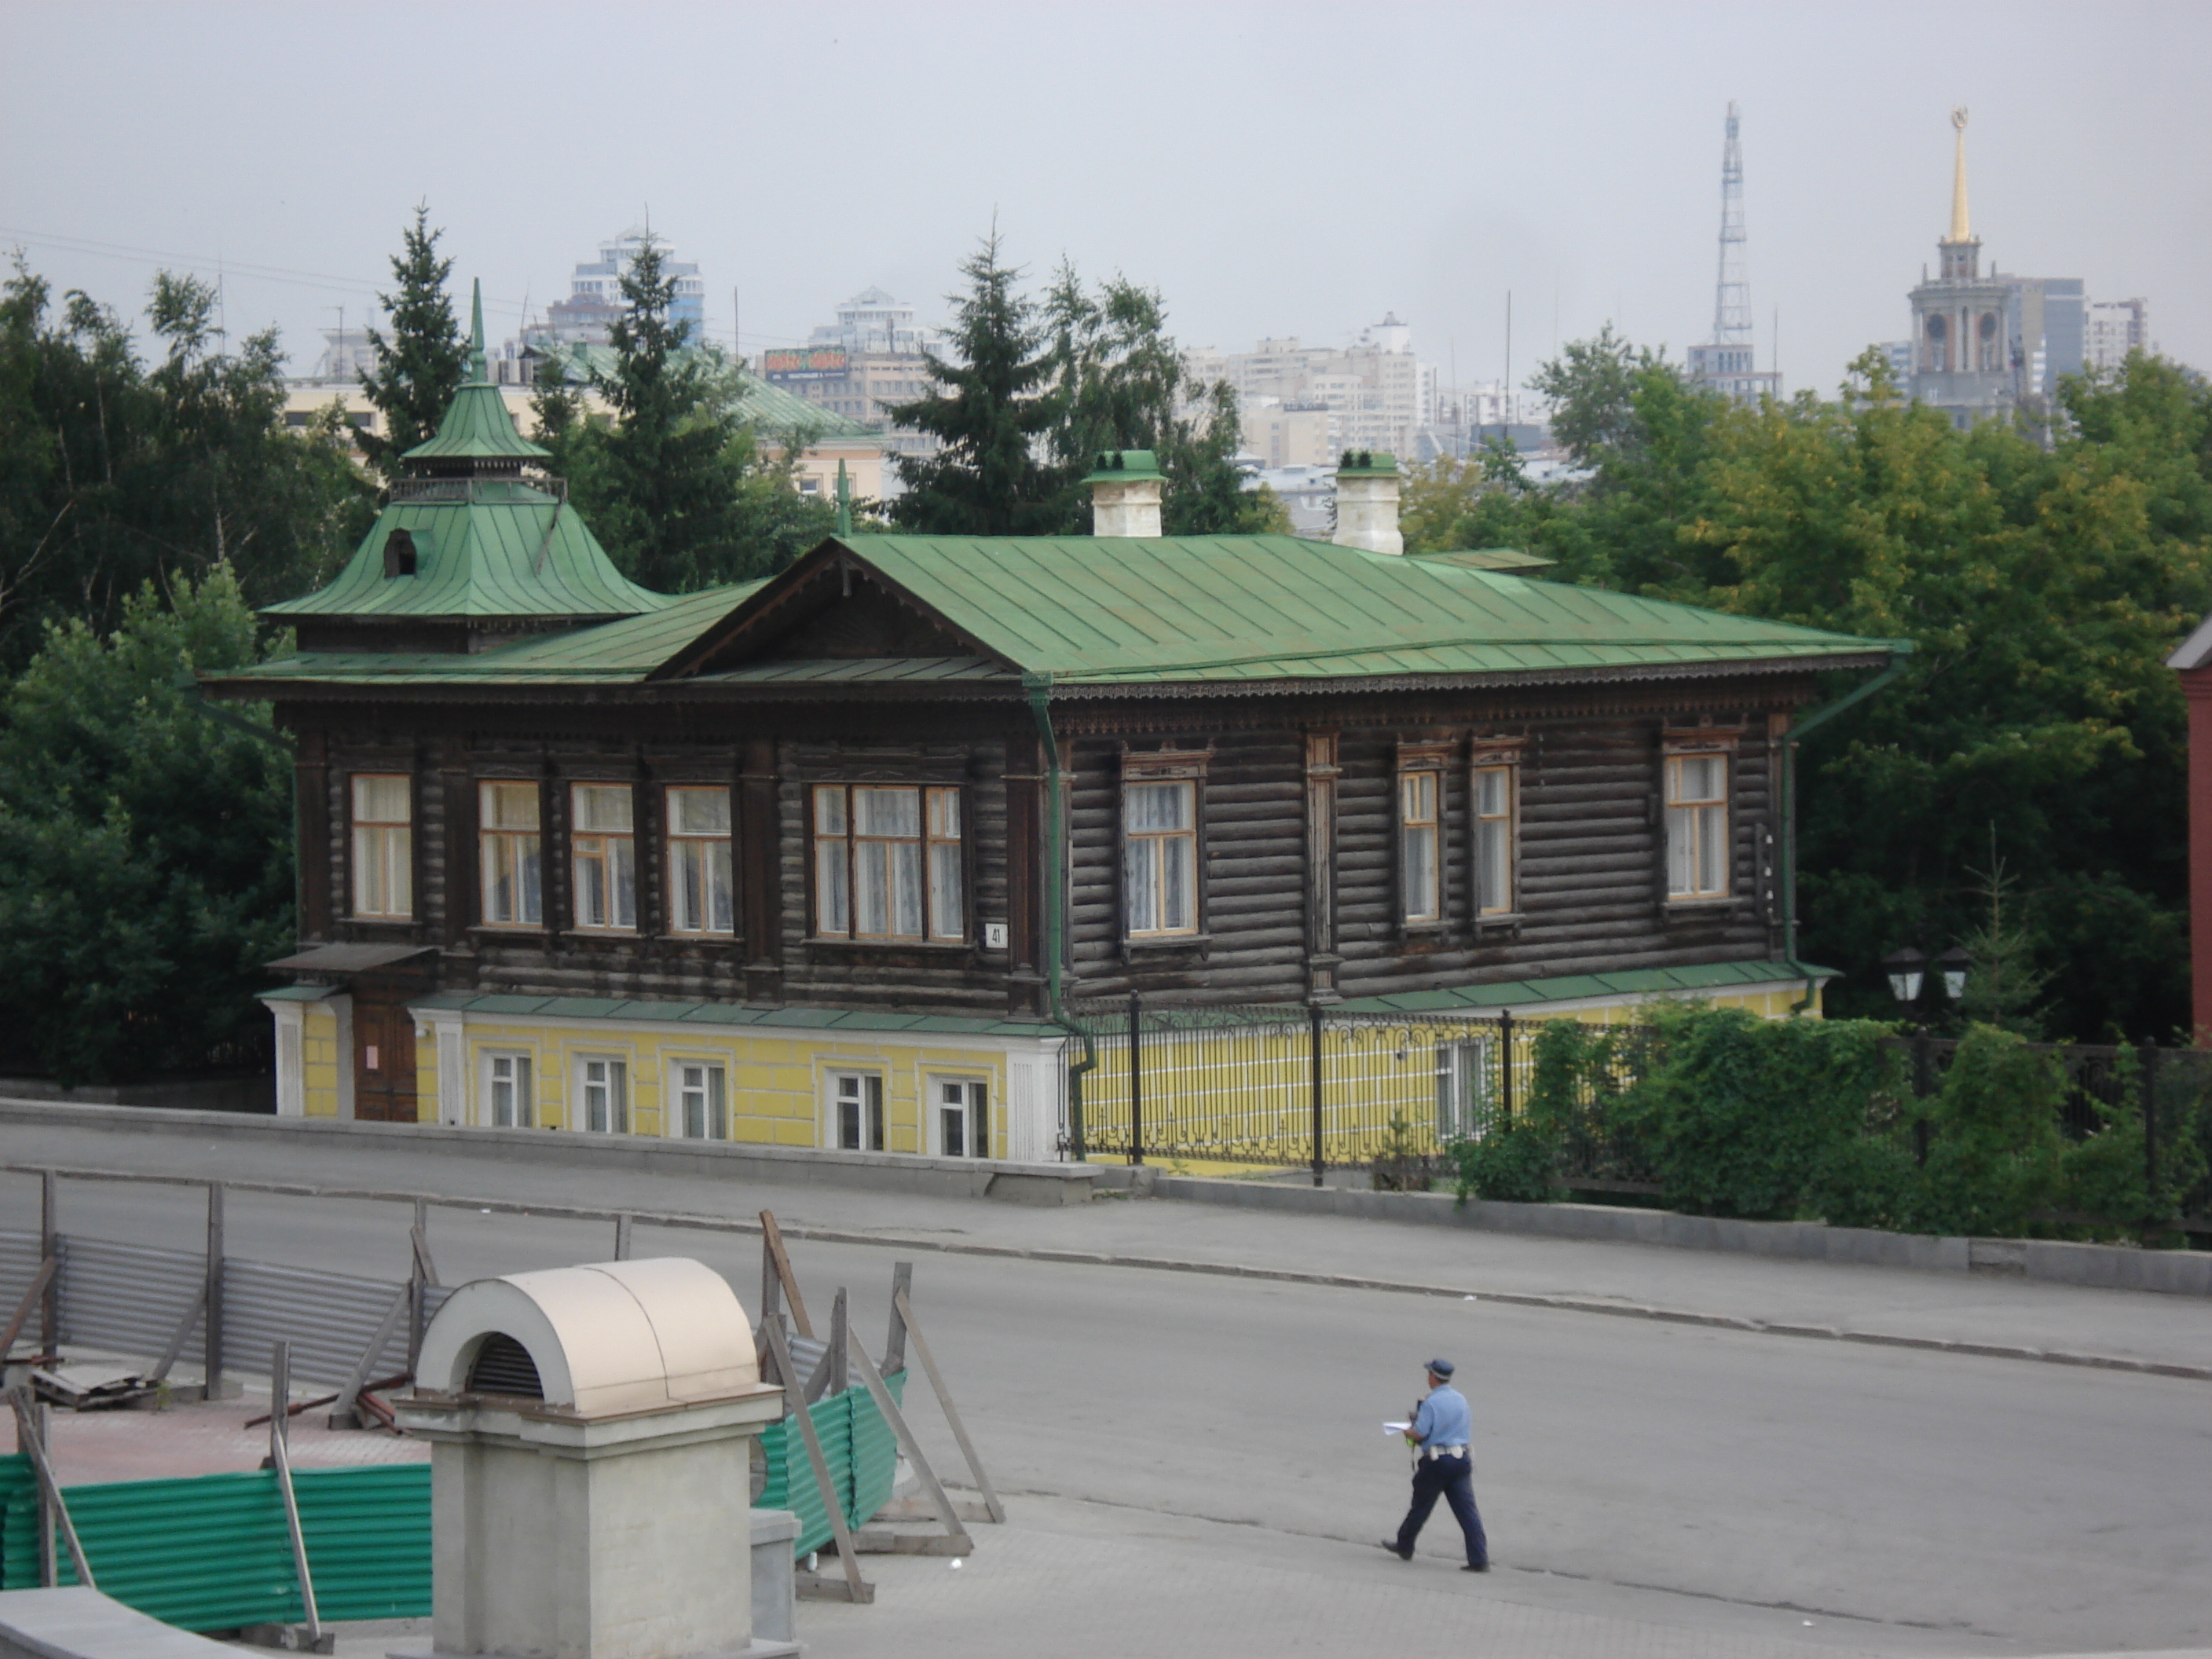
503, 1365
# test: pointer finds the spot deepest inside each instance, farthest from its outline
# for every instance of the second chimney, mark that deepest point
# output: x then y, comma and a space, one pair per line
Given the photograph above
1367, 501
1125, 493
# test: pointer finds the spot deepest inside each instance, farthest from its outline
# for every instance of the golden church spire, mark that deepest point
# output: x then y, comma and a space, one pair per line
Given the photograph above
1960, 230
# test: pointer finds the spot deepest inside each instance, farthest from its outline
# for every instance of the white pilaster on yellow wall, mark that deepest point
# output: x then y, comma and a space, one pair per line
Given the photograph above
341, 1007
290, 1020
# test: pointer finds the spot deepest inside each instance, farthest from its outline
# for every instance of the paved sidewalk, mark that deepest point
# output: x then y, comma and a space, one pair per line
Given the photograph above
1989, 1311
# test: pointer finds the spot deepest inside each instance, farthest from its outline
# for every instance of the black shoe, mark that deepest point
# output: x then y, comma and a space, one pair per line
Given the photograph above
1471, 1567
1391, 1545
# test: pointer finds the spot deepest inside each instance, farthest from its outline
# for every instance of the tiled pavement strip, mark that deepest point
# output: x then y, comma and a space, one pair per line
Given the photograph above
207, 1437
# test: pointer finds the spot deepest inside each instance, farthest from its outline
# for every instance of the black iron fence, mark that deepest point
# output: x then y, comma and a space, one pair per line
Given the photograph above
1290, 1086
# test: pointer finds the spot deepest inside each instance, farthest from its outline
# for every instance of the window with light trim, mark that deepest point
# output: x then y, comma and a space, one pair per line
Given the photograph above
888, 863
383, 846
700, 890
509, 1101
602, 1095
508, 847
603, 849
1159, 857
963, 1118
1420, 835
1697, 851
1495, 815
700, 1108
857, 1110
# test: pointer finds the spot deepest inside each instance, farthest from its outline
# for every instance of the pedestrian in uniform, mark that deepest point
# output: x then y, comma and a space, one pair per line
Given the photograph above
1442, 1468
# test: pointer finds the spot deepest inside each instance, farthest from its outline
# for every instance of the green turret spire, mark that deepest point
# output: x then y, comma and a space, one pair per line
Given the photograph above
478, 370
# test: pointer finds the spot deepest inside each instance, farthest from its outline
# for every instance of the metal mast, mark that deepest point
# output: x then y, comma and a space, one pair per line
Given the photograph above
1732, 293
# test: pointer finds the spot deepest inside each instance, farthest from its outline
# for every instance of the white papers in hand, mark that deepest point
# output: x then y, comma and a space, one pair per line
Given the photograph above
1396, 1428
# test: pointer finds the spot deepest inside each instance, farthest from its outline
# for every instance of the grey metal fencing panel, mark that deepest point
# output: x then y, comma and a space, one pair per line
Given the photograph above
128, 1296
327, 1319
19, 1260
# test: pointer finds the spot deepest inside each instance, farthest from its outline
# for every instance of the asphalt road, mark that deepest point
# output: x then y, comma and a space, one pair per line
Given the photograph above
1924, 1502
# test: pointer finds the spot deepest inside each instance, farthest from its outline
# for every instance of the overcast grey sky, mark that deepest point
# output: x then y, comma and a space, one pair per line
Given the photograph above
1275, 168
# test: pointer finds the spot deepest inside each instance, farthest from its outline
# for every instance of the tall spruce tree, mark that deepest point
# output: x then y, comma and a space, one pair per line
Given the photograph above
666, 497
420, 366
990, 410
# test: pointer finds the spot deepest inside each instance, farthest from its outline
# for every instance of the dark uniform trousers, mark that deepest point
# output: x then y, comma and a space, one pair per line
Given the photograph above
1451, 1478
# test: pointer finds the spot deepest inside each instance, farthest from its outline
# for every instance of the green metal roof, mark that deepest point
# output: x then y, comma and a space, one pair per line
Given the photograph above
1577, 987
477, 426
1092, 612
1106, 610
1489, 558
485, 548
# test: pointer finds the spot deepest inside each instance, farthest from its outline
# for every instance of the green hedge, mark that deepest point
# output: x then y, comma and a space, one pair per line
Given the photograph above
1815, 1119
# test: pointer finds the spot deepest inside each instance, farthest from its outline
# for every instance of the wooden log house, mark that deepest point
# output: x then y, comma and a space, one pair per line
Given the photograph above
816, 860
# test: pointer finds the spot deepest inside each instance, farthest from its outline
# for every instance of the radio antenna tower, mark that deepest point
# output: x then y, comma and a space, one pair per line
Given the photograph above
1728, 364
1732, 293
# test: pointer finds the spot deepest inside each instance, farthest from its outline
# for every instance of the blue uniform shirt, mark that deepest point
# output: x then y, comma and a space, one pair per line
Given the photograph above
1444, 1419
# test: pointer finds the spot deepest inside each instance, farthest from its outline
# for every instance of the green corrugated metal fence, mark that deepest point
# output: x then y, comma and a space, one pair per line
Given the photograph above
841, 1422
211, 1552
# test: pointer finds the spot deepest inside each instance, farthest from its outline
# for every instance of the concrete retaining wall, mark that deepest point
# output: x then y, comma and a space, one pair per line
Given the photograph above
887, 1172
2186, 1272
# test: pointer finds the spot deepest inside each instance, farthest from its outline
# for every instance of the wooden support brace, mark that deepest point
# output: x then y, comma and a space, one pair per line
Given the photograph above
895, 1343
951, 1415
621, 1237
344, 1417
31, 1439
182, 1335
856, 1588
954, 1532
841, 1333
31, 1299
280, 1460
772, 1241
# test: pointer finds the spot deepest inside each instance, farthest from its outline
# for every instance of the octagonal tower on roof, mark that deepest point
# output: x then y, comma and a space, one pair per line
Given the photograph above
476, 545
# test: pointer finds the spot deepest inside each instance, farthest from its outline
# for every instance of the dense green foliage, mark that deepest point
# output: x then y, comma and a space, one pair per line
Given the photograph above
145, 848
420, 365
1815, 1119
2042, 584
681, 489
1036, 390
113, 474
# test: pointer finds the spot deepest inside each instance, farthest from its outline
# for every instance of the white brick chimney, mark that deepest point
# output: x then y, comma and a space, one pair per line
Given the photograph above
1367, 502
1125, 493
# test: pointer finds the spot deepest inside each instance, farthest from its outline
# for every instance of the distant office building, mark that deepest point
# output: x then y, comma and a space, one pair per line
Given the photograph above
1375, 394
595, 298
875, 355
2115, 328
1902, 358
1983, 343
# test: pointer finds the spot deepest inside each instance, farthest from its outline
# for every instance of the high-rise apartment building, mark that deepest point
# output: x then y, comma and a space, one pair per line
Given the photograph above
2115, 328
595, 298
1302, 406
873, 356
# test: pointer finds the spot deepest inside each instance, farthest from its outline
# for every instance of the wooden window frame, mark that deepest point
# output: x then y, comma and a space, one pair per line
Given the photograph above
1489, 759
676, 843
1433, 758
1140, 768
491, 837
357, 828
578, 835
834, 863
1676, 748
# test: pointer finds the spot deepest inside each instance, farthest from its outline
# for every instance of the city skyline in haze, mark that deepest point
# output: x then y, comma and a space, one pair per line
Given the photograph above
1273, 171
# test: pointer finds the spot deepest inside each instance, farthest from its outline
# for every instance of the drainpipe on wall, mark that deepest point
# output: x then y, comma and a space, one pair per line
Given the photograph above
1899, 650
1039, 688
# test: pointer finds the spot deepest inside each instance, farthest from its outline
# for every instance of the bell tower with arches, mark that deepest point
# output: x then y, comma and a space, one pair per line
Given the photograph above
1962, 345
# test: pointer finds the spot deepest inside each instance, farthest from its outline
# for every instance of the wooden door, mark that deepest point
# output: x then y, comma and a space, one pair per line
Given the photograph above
383, 1061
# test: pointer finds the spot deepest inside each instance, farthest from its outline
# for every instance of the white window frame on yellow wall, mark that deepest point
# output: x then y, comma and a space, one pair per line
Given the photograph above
975, 1109
508, 1081
700, 1080
857, 1094
612, 1075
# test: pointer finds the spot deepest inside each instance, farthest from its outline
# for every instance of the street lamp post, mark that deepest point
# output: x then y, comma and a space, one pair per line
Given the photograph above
1907, 971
